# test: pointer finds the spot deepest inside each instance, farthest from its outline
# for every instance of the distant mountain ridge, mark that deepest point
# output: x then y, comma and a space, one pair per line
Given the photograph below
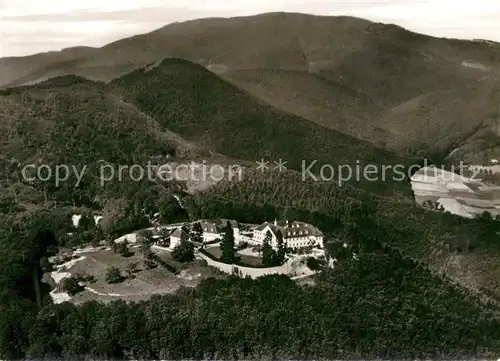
399, 90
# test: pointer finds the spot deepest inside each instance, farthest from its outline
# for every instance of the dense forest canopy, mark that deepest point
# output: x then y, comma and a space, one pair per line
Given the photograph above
380, 303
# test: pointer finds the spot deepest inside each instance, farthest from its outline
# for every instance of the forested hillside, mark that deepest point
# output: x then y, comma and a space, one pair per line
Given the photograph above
375, 303
177, 109
467, 250
200, 106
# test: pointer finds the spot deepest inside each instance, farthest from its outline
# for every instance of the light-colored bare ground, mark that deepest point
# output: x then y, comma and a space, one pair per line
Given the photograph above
306, 280
145, 283
458, 194
201, 176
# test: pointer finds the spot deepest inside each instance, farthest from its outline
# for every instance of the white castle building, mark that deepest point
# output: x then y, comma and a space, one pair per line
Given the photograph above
295, 234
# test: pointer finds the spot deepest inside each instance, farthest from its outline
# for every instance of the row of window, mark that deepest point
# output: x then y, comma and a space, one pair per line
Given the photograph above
259, 235
297, 239
300, 244
211, 230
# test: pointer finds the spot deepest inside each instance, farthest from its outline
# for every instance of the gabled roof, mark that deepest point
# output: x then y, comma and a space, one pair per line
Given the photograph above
210, 225
165, 232
222, 222
179, 233
207, 223
291, 229
263, 226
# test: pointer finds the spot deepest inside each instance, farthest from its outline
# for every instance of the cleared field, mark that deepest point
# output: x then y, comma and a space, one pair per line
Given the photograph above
214, 251
457, 194
250, 260
144, 283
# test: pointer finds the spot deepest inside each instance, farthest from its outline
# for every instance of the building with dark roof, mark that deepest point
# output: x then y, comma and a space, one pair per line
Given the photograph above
222, 224
295, 234
171, 237
211, 230
177, 236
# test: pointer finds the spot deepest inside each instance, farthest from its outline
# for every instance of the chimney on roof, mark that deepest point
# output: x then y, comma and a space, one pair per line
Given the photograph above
275, 222
286, 222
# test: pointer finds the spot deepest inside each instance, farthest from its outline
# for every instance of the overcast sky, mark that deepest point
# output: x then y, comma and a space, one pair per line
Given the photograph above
31, 26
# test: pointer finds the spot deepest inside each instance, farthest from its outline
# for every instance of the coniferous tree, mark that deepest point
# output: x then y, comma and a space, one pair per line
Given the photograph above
165, 237
197, 233
146, 237
122, 248
72, 286
113, 275
268, 253
184, 252
86, 223
281, 251
131, 269
227, 245
98, 236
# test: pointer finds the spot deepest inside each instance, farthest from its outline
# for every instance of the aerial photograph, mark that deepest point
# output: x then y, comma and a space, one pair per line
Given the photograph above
250, 180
